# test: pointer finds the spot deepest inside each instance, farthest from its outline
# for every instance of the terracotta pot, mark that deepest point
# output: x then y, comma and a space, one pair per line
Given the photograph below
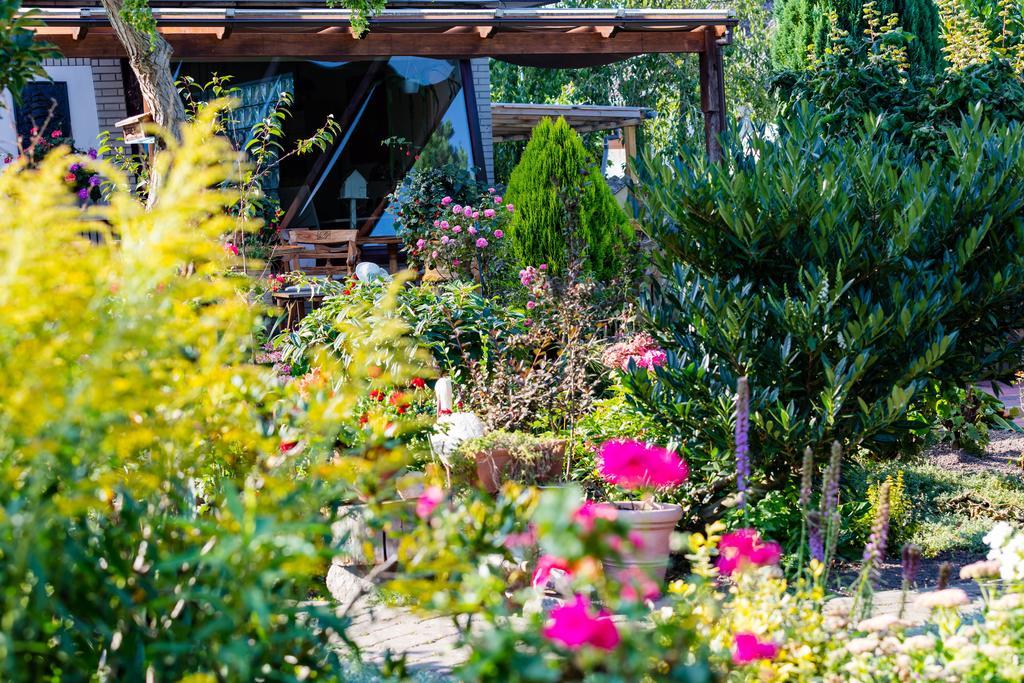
494, 466
654, 531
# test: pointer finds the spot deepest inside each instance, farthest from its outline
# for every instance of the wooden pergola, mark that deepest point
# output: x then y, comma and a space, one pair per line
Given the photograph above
535, 36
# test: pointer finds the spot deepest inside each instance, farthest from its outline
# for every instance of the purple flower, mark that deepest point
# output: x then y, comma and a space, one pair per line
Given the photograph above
874, 551
742, 439
911, 560
74, 167
481, 243
814, 538
92, 153
94, 181
83, 193
807, 478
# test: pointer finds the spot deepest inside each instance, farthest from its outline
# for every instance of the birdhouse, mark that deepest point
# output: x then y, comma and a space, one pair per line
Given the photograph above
354, 187
133, 129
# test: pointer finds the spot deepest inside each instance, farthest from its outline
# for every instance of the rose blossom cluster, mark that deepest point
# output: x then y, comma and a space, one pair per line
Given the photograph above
641, 350
463, 234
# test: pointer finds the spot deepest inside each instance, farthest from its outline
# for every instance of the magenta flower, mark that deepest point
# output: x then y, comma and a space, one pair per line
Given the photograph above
744, 548
588, 514
55, 134
437, 224
446, 201
638, 586
498, 199
456, 262
229, 247
421, 243
489, 213
543, 266
468, 212
652, 359
498, 234
530, 305
456, 229
430, 499
490, 190
481, 243
444, 225
433, 254
636, 465
547, 564
747, 648
456, 209
574, 625
476, 214
511, 208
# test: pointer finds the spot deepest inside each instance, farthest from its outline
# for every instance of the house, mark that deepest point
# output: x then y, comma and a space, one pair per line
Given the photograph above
414, 89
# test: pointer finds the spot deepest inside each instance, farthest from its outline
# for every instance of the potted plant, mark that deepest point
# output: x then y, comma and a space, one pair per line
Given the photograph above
643, 469
511, 456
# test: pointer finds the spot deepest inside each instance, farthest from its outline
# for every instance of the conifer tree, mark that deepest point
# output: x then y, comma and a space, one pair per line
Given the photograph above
556, 188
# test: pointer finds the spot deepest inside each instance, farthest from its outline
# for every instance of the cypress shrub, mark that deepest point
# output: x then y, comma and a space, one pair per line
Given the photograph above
556, 188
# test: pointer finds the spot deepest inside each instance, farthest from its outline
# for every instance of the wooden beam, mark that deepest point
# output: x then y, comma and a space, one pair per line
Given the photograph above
629, 142
485, 31
712, 93
243, 45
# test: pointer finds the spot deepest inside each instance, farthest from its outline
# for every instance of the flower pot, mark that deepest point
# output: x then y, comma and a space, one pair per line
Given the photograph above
495, 466
652, 529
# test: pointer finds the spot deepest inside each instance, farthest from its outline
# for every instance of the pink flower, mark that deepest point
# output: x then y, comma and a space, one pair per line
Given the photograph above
476, 214
457, 228
521, 540
430, 499
421, 243
638, 586
498, 234
456, 209
471, 230
574, 625
55, 134
652, 359
490, 190
446, 201
747, 648
444, 225
547, 564
530, 305
489, 213
634, 465
468, 212
433, 254
543, 266
437, 224
511, 208
481, 243
456, 262
744, 548
231, 249
590, 512
498, 199
444, 239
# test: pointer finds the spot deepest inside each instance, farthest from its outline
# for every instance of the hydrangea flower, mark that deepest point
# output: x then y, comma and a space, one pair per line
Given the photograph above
574, 625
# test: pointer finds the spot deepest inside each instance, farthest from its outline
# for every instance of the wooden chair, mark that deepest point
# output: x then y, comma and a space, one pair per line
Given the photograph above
333, 252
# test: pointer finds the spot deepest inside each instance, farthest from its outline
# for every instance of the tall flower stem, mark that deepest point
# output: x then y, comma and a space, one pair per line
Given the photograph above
874, 553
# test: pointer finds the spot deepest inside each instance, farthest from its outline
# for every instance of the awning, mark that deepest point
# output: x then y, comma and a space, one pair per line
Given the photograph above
517, 121
527, 35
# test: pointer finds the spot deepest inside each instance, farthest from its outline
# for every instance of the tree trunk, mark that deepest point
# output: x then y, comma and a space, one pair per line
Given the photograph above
149, 56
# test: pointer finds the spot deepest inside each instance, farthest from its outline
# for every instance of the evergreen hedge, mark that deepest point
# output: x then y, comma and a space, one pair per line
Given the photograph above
556, 188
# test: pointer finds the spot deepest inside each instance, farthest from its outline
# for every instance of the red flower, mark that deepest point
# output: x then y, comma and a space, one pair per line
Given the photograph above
287, 446
346, 292
400, 402
377, 395
70, 178
363, 419
418, 382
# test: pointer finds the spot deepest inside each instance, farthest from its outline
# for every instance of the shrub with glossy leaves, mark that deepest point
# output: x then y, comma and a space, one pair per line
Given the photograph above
838, 274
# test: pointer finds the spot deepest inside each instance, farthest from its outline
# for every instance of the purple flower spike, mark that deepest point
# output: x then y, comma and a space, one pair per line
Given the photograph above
874, 551
742, 439
815, 541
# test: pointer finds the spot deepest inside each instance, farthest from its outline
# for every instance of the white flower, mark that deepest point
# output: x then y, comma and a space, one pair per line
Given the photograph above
883, 622
919, 643
859, 646
950, 597
997, 537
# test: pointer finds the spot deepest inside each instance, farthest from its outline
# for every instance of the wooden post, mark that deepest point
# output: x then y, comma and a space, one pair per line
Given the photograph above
712, 93
629, 144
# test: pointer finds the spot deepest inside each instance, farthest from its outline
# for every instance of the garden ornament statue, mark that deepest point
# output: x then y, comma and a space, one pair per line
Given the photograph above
451, 428
369, 272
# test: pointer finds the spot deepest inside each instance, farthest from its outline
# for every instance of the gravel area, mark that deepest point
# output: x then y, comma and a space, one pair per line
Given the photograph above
1003, 456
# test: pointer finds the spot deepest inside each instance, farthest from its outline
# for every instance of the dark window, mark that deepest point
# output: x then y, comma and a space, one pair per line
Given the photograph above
44, 105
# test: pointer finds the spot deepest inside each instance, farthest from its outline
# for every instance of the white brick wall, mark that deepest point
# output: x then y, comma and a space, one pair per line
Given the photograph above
110, 104
482, 85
